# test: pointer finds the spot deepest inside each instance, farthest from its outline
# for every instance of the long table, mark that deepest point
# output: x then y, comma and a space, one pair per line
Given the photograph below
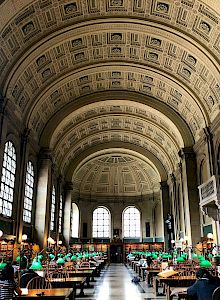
69, 282
48, 294
174, 281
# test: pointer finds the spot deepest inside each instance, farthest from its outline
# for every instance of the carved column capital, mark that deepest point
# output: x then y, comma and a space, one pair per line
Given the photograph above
187, 153
68, 186
164, 185
45, 153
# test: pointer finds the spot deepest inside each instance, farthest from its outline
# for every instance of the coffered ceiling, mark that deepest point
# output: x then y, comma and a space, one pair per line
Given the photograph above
85, 75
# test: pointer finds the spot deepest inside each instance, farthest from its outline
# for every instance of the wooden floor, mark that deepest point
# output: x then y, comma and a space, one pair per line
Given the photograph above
115, 284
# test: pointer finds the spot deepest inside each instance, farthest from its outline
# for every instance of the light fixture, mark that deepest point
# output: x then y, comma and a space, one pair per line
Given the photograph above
24, 237
210, 235
60, 243
172, 242
1, 233
50, 240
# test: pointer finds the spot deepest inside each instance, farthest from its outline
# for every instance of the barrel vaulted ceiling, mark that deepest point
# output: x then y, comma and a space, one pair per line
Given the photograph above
87, 75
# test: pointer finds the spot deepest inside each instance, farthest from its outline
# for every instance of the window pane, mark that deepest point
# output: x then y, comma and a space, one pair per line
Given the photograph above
131, 222
28, 196
8, 180
101, 222
53, 205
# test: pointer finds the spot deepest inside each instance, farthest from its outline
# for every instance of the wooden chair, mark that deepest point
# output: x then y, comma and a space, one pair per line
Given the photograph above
216, 294
39, 283
56, 274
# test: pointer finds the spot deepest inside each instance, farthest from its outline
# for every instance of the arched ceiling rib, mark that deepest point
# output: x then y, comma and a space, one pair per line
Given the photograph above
124, 120
112, 148
146, 52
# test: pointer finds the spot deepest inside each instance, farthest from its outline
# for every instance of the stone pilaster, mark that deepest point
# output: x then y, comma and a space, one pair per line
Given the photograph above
67, 211
190, 195
210, 150
22, 182
42, 216
165, 208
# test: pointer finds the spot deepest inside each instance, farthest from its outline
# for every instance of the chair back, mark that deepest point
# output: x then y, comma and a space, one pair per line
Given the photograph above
58, 274
39, 283
216, 294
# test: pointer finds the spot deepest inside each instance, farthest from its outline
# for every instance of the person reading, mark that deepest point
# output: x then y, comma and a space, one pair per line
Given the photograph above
8, 286
204, 286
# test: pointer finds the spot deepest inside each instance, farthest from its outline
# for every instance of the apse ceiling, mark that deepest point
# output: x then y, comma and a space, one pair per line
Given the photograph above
139, 74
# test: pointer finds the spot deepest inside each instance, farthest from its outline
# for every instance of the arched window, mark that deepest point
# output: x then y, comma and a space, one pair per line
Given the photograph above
53, 208
75, 221
60, 213
101, 223
8, 180
28, 193
131, 222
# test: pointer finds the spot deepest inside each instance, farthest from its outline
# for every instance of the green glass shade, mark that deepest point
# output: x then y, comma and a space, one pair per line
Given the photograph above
2, 265
201, 257
169, 256
180, 259
205, 264
36, 265
17, 258
194, 255
210, 255
51, 256
60, 260
74, 257
40, 256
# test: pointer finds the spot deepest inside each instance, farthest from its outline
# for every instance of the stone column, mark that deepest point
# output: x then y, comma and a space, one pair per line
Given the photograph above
67, 211
3, 103
22, 182
190, 195
180, 197
210, 150
165, 208
42, 216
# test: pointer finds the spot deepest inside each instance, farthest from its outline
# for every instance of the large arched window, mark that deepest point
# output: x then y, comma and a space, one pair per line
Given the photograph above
53, 208
8, 180
131, 222
60, 213
75, 221
28, 193
101, 223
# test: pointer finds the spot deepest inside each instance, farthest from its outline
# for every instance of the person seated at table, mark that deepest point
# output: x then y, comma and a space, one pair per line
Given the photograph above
8, 286
26, 276
204, 286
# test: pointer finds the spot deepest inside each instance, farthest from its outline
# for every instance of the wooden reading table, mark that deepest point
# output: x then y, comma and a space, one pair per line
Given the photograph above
174, 281
48, 294
69, 282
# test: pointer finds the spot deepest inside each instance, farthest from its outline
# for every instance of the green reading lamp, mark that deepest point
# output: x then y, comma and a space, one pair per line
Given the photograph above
2, 265
60, 260
36, 264
205, 264
51, 256
180, 259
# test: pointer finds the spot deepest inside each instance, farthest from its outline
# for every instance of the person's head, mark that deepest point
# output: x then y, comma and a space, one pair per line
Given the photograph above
204, 273
8, 273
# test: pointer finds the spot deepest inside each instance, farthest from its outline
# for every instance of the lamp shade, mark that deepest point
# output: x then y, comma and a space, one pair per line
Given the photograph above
36, 265
60, 260
180, 259
205, 264
51, 256
74, 257
2, 265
